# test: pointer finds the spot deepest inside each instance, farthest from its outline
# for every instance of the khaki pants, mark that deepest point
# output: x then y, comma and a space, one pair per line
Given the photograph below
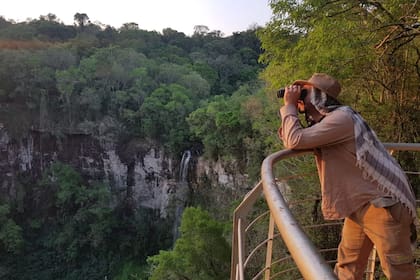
386, 228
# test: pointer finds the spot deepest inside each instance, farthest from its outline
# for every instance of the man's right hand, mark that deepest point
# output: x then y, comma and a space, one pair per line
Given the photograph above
292, 94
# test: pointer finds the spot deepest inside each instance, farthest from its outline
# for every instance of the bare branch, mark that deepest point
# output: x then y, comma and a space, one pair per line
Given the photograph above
379, 6
342, 11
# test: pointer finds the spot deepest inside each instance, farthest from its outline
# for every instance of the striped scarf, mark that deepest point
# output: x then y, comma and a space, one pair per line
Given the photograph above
373, 159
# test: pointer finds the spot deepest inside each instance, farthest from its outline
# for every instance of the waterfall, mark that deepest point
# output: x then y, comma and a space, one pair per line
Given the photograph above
183, 170
181, 192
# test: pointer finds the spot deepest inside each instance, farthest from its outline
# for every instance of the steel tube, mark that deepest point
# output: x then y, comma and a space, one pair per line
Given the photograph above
307, 258
403, 146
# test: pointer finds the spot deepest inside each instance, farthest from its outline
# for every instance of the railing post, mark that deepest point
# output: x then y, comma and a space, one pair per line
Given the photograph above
239, 225
370, 271
269, 253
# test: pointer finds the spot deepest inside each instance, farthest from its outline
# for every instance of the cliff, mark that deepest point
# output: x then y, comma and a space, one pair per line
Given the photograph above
137, 169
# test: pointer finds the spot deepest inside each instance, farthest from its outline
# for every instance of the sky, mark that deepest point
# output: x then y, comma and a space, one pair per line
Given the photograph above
226, 16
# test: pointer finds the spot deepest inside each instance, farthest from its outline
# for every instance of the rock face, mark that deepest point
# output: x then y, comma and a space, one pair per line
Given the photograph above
148, 177
221, 173
137, 169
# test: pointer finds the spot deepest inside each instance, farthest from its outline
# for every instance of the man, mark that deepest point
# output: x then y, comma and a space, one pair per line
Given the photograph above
360, 181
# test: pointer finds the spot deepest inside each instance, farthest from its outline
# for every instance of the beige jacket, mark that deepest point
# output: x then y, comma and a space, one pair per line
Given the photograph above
343, 188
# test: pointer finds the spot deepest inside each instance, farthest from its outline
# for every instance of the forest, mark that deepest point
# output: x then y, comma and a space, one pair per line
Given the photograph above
213, 94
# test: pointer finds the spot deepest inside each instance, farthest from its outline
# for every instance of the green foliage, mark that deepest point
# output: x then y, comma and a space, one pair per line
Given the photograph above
84, 218
89, 75
240, 127
78, 233
132, 271
163, 116
370, 47
373, 49
201, 252
207, 72
220, 125
11, 238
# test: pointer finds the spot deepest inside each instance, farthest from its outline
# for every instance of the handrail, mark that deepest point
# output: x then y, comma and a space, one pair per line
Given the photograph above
403, 146
306, 256
301, 248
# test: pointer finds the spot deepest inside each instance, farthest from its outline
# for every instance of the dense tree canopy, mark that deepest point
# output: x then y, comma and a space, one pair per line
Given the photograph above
201, 253
116, 85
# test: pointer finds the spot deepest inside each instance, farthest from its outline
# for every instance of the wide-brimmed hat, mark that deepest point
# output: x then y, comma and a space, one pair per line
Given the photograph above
324, 82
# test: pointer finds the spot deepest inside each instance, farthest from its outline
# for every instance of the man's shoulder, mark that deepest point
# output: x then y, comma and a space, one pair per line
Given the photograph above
342, 115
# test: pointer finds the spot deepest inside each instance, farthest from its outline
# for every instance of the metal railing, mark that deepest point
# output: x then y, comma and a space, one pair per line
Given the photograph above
297, 247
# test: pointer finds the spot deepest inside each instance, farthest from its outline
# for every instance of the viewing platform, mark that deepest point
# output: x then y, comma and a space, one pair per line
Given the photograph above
277, 235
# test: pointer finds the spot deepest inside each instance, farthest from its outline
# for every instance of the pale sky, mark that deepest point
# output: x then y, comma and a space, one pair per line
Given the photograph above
182, 15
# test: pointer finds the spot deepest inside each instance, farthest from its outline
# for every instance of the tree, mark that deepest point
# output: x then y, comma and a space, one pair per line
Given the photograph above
4, 23
129, 26
11, 238
81, 19
49, 28
207, 72
197, 86
201, 253
176, 38
163, 116
371, 46
200, 30
84, 219
222, 127
106, 83
67, 84
49, 17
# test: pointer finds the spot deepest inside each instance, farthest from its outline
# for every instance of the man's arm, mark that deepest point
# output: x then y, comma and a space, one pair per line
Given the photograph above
335, 128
